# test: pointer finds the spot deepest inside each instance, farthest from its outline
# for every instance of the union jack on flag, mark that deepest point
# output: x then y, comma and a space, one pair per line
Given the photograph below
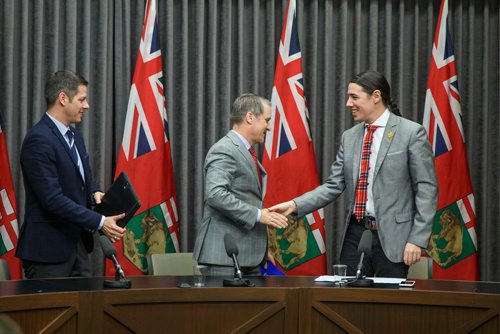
290, 162
138, 138
445, 75
288, 91
145, 156
453, 244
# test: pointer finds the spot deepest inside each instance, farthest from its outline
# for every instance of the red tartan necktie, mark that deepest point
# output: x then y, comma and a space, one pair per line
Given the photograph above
254, 156
362, 186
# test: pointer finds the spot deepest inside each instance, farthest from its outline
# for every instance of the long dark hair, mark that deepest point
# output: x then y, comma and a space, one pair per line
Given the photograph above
373, 80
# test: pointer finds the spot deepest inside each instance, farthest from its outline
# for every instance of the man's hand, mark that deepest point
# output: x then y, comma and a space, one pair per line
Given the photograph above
98, 197
412, 254
273, 219
111, 229
284, 208
270, 258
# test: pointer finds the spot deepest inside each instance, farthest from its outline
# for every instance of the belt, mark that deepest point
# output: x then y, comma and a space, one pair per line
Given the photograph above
369, 222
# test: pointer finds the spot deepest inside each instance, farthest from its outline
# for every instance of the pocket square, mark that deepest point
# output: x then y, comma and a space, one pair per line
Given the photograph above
395, 153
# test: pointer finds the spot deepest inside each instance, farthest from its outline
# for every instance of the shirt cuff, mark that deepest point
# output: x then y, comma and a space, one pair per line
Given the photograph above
258, 216
101, 224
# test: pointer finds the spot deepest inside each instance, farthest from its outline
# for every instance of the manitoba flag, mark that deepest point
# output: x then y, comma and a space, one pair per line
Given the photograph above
145, 155
453, 244
8, 212
290, 161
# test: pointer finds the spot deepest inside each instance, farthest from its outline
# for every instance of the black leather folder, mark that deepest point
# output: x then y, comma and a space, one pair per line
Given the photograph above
120, 198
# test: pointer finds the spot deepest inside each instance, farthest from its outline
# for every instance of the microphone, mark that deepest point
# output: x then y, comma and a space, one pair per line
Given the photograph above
110, 252
365, 248
232, 252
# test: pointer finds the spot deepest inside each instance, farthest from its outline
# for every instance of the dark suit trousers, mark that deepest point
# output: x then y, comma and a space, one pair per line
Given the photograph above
78, 265
215, 270
376, 264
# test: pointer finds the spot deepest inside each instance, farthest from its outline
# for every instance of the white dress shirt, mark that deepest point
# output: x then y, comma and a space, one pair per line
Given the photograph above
381, 123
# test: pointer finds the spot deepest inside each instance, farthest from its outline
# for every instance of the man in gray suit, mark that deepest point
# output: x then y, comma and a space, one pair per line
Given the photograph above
234, 189
396, 198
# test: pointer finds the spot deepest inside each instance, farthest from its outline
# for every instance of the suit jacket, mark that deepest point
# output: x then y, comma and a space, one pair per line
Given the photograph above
233, 196
57, 205
404, 184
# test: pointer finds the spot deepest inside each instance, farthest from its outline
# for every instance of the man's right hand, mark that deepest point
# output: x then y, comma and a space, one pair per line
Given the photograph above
273, 219
284, 208
111, 229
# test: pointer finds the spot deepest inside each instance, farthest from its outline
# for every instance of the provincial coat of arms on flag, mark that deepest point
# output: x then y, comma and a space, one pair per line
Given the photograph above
450, 241
290, 161
145, 155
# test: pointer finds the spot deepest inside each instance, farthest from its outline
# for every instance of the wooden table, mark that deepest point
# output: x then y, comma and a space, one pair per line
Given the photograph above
155, 304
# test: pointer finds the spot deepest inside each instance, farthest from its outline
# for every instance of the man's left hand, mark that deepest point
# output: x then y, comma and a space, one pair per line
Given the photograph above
98, 197
412, 254
270, 257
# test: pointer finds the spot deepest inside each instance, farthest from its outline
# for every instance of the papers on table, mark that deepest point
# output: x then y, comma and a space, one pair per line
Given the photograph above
382, 280
335, 278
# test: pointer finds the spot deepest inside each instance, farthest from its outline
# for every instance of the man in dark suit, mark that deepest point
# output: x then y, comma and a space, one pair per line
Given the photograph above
234, 189
396, 198
57, 233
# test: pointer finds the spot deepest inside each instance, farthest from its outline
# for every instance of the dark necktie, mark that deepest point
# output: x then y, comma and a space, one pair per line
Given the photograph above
254, 156
72, 146
362, 185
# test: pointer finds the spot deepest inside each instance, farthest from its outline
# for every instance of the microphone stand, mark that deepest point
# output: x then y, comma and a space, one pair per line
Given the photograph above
120, 281
360, 281
238, 280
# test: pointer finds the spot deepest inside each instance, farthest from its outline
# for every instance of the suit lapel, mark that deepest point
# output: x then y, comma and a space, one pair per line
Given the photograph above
50, 124
390, 130
63, 142
248, 157
80, 147
358, 147
263, 174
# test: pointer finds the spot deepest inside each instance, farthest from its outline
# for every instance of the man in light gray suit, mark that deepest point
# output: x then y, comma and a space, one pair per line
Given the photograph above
399, 187
234, 190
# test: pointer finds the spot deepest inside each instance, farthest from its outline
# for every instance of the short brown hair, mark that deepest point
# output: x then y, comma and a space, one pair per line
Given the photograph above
245, 103
63, 81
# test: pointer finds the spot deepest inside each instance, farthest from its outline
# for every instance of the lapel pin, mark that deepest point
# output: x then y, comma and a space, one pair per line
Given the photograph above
390, 135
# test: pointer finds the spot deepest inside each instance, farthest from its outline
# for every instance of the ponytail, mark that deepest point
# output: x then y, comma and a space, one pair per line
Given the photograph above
393, 107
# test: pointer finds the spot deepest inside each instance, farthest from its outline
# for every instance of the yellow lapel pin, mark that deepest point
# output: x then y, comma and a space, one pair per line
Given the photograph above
390, 135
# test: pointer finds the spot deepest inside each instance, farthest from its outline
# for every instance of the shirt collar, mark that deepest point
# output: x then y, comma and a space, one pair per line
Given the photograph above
61, 127
245, 142
382, 120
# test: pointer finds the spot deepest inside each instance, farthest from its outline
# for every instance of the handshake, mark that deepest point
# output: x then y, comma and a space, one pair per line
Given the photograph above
276, 216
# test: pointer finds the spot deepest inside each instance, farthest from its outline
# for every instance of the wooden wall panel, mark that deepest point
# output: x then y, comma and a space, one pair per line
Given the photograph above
277, 305
397, 311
